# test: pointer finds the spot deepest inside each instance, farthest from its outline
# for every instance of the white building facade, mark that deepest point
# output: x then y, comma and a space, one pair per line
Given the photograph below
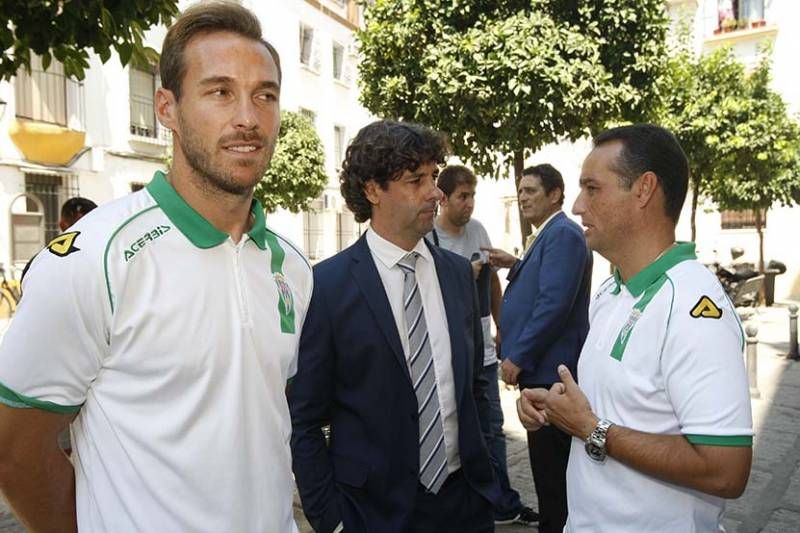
100, 139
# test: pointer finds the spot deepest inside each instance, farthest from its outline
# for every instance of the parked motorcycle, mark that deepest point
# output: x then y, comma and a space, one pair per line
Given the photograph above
742, 282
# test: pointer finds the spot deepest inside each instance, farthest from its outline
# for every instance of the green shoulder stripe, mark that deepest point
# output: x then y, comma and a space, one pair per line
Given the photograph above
291, 245
721, 440
108, 247
12, 399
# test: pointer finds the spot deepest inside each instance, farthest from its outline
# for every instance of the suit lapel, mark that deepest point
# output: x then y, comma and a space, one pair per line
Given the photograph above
366, 276
453, 307
517, 267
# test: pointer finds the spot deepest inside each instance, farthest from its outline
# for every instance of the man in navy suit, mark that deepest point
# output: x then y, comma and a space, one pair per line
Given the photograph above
391, 357
544, 321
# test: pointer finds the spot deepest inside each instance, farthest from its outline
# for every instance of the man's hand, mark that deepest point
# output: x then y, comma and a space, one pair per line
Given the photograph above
567, 407
500, 258
531, 408
510, 371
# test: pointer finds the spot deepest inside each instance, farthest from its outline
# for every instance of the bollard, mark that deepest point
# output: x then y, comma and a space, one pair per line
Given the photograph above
752, 360
793, 333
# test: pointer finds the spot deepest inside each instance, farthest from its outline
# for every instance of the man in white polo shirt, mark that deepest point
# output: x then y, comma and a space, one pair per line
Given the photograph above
661, 421
164, 325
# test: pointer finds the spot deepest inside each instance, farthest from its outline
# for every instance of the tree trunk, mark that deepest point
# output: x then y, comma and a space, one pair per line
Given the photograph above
760, 231
694, 211
519, 165
762, 296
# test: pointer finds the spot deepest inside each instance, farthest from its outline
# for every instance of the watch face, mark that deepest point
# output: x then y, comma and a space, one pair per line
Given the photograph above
595, 452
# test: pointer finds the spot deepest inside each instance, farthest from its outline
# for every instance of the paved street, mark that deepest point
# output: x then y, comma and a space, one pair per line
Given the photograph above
771, 503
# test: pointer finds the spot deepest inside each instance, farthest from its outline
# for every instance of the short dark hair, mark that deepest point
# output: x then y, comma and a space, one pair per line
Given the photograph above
647, 147
76, 207
381, 152
454, 175
203, 18
549, 176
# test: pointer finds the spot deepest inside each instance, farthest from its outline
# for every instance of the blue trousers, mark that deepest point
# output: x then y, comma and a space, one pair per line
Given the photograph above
509, 504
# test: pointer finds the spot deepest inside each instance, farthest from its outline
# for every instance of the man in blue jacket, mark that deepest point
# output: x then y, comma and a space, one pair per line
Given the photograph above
544, 322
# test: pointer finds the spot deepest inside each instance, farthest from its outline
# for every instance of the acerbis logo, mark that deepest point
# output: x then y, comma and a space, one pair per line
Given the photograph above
142, 241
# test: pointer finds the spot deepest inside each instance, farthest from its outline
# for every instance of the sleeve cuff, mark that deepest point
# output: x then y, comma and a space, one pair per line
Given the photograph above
12, 399
721, 440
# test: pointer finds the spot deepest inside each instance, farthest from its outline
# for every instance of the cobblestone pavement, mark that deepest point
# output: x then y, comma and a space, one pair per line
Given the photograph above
771, 503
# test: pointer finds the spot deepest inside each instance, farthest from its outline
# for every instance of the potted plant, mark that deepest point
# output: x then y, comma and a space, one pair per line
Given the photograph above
728, 25
759, 23
743, 24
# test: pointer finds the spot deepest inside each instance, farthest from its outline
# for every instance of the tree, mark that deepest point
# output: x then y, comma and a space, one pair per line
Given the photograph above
701, 92
506, 77
296, 174
67, 30
761, 164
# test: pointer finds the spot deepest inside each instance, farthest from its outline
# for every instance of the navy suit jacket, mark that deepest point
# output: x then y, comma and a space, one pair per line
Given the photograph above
352, 374
545, 314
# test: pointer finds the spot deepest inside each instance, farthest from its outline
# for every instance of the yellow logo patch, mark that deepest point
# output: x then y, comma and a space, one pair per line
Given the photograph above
705, 308
64, 244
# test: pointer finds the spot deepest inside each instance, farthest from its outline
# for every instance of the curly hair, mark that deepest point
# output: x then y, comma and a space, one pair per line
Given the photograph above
381, 152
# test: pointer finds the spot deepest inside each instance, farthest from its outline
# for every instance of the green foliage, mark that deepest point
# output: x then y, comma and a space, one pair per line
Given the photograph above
65, 31
297, 172
762, 150
701, 93
506, 76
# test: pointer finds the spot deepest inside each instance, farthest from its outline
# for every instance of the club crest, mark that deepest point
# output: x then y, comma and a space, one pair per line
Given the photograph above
632, 319
284, 292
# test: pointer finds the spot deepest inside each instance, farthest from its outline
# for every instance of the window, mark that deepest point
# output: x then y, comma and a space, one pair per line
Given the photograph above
306, 44
744, 219
338, 145
338, 61
52, 191
42, 94
143, 116
310, 115
313, 224
733, 14
347, 230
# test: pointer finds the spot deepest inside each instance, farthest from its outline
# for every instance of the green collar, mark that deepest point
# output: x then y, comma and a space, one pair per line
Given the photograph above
192, 224
681, 251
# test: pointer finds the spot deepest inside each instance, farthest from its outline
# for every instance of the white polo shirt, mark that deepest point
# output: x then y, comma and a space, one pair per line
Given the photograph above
173, 345
664, 356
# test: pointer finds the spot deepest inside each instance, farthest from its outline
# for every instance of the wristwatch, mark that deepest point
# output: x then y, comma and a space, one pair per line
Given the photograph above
596, 441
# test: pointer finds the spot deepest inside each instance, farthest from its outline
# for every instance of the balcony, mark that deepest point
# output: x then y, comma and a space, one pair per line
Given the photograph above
741, 30
50, 113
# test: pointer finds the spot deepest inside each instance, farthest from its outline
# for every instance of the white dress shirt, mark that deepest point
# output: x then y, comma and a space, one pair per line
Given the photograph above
386, 256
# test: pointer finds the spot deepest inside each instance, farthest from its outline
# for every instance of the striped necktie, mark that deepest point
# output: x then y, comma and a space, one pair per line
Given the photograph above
432, 453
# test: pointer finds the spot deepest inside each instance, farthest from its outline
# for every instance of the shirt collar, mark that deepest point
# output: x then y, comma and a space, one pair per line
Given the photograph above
389, 253
192, 224
540, 228
679, 252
